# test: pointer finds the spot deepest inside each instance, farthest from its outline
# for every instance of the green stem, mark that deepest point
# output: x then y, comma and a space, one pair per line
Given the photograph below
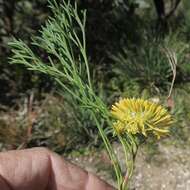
111, 153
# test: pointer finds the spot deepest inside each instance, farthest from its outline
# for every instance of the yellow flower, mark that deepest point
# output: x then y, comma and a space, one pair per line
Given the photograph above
140, 116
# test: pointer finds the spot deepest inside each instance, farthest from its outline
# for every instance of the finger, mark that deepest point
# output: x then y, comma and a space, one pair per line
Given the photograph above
70, 177
25, 169
41, 169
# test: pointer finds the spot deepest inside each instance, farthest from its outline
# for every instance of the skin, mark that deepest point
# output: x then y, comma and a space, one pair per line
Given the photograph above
41, 169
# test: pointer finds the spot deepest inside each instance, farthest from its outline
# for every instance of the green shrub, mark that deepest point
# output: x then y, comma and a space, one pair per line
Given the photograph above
148, 65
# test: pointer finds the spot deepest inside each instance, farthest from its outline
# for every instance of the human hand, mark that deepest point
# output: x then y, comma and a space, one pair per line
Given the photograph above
41, 169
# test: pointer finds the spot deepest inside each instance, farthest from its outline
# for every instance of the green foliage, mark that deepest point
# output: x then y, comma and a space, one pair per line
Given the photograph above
63, 39
61, 127
186, 21
148, 64
182, 115
20, 19
59, 38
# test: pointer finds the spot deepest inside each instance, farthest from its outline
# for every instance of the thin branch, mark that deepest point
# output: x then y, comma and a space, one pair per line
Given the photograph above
172, 58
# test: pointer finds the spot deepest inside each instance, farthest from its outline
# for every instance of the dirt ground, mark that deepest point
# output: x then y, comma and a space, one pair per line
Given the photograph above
167, 169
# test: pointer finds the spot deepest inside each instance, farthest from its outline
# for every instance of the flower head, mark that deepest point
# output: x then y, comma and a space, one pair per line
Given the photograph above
140, 116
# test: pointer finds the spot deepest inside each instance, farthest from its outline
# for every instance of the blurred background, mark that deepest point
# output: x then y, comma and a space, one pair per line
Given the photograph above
127, 41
